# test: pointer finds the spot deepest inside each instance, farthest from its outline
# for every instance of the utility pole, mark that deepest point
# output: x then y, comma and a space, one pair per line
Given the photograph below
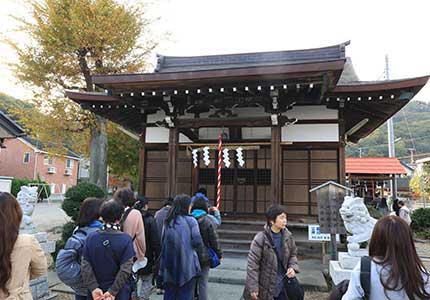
412, 150
391, 150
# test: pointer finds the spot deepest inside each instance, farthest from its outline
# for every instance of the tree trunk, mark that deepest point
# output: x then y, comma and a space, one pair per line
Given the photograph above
98, 153
98, 135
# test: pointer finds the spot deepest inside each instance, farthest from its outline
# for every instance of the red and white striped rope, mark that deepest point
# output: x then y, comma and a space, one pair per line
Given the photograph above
218, 192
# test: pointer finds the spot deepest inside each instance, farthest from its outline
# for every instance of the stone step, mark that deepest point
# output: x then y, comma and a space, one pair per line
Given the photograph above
233, 271
52, 296
257, 225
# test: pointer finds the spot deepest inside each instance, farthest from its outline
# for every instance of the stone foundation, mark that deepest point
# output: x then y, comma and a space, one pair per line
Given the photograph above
39, 286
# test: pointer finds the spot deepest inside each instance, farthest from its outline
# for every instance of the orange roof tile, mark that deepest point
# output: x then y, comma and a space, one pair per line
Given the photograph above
374, 165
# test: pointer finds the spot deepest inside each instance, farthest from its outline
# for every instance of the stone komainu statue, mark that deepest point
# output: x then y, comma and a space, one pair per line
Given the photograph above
27, 198
358, 222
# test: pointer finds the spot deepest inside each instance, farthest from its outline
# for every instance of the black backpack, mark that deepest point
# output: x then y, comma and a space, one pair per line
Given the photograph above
365, 270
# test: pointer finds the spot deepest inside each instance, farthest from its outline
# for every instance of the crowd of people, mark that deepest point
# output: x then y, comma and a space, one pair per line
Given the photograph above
119, 250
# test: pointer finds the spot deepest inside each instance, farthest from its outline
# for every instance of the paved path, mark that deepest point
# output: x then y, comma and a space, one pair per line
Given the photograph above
48, 216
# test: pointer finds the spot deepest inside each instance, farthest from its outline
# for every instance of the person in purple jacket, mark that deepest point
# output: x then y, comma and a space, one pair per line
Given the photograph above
108, 257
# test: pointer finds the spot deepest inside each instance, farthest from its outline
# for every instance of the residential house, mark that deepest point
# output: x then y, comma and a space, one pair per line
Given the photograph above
24, 157
8, 130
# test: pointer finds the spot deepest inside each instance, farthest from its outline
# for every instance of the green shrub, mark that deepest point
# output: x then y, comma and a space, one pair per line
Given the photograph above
17, 183
421, 219
374, 213
75, 195
67, 232
43, 191
425, 235
71, 204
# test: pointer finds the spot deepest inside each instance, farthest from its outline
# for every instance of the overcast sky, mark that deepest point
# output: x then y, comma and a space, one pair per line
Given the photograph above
398, 28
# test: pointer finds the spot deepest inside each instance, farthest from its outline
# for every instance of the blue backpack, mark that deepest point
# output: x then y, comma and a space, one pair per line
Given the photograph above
68, 263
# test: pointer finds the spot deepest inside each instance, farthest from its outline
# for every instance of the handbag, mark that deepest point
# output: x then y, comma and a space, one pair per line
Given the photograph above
213, 258
292, 287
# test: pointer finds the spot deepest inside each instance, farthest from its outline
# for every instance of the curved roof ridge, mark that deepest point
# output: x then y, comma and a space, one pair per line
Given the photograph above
235, 60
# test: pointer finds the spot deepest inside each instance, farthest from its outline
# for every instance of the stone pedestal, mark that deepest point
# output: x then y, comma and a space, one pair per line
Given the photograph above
39, 286
341, 269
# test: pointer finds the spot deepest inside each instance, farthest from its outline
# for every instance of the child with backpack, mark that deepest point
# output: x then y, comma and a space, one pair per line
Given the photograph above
68, 262
108, 257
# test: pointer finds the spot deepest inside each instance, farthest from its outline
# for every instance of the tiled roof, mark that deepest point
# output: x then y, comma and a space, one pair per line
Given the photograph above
376, 165
245, 60
39, 145
9, 128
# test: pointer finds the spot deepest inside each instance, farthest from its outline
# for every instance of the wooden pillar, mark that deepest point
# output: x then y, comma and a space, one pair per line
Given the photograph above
342, 142
195, 176
276, 163
171, 161
142, 161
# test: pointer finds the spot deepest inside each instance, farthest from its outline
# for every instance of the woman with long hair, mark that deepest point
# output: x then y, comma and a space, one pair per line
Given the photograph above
131, 221
397, 272
180, 265
21, 257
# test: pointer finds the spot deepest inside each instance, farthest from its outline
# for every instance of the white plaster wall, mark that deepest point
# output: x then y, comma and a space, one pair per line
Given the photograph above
211, 133
310, 133
256, 133
161, 135
313, 112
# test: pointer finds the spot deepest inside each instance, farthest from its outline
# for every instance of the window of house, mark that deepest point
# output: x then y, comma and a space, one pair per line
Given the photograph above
69, 163
48, 161
26, 157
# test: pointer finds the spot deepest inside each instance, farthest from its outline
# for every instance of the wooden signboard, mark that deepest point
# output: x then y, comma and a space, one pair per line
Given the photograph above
330, 197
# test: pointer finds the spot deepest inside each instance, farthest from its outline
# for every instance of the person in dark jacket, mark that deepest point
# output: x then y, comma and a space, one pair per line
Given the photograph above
180, 264
108, 257
209, 235
272, 257
88, 222
213, 212
396, 207
161, 214
153, 249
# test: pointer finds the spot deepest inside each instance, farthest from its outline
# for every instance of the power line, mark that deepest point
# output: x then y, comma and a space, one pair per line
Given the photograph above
384, 145
409, 130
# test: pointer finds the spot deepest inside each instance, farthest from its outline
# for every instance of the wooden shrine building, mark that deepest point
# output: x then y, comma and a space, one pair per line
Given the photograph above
290, 111
368, 176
